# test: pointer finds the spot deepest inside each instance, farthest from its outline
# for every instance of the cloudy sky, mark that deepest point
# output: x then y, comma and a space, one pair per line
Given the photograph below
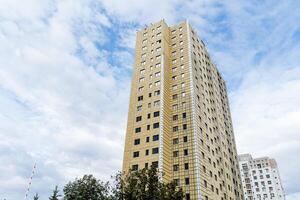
65, 68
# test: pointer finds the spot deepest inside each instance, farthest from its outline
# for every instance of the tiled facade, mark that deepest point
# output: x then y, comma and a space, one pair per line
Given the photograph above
260, 178
179, 118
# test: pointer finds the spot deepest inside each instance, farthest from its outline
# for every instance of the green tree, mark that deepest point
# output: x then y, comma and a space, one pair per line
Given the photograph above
55, 194
86, 188
36, 196
144, 184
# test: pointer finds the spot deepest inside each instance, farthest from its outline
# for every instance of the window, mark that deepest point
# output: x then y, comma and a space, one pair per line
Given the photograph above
156, 103
185, 139
155, 137
185, 152
187, 196
186, 166
157, 74
175, 153
174, 78
175, 128
147, 139
141, 80
174, 69
187, 181
174, 61
141, 89
155, 164
140, 98
183, 115
175, 168
174, 87
183, 94
157, 65
175, 107
135, 167
148, 115
181, 50
137, 141
175, 117
139, 118
156, 125
181, 42
156, 114
139, 108
157, 83
148, 127
147, 152
175, 141
176, 182
157, 92
184, 126
142, 71
175, 96
136, 154
155, 150
137, 130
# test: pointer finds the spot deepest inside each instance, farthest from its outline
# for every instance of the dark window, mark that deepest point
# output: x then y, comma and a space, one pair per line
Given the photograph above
185, 138
175, 128
156, 125
140, 98
174, 96
175, 141
155, 137
175, 117
137, 130
184, 126
187, 181
136, 154
186, 152
175, 153
150, 94
187, 196
156, 114
186, 166
148, 127
137, 141
183, 115
139, 118
155, 164
149, 115
157, 92
135, 167
176, 182
175, 168
146, 165
155, 150
147, 152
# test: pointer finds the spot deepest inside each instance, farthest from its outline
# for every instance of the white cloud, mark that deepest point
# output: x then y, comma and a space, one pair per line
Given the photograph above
60, 88
266, 118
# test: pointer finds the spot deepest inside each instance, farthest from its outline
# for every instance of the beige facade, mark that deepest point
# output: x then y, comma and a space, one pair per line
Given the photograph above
179, 118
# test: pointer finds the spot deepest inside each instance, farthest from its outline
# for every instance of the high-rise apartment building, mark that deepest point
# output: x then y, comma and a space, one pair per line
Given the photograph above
179, 118
260, 178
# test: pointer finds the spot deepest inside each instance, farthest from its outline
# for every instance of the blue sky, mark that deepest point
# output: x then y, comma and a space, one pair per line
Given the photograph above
65, 70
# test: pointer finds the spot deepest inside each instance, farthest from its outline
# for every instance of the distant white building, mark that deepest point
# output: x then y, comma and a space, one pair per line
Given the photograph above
260, 178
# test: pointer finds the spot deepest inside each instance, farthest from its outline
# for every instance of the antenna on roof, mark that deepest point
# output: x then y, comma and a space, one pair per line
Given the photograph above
30, 181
